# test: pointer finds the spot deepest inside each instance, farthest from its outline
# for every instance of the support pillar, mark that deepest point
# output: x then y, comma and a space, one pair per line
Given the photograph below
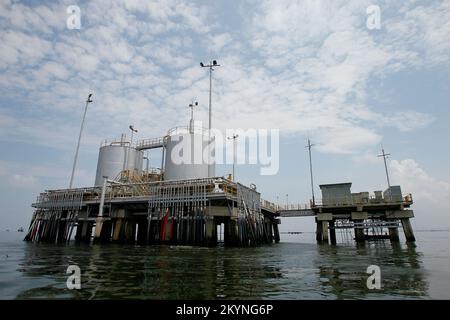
319, 231
359, 235
102, 229
269, 232
332, 233
325, 231
60, 234
117, 229
98, 228
142, 231
85, 231
231, 233
169, 229
276, 232
130, 229
211, 232
407, 229
78, 233
393, 235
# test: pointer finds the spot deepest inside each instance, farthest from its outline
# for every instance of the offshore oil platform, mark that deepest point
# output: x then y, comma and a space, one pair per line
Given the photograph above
184, 203
359, 216
179, 203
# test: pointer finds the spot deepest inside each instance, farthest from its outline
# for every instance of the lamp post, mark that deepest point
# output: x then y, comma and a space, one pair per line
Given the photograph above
191, 122
287, 201
133, 130
79, 139
234, 137
211, 67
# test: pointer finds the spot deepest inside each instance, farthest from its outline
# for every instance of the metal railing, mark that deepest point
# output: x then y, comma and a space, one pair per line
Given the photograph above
294, 206
358, 200
120, 142
150, 143
187, 129
268, 205
63, 198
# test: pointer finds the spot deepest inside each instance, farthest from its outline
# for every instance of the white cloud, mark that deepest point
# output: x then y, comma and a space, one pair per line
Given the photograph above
367, 157
217, 42
346, 139
425, 28
409, 120
298, 66
25, 176
431, 195
21, 181
48, 132
301, 66
416, 180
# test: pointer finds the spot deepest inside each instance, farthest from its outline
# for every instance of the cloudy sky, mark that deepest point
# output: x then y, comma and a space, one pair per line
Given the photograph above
309, 68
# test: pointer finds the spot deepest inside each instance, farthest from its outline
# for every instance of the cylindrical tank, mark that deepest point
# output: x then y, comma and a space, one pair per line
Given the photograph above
185, 147
116, 157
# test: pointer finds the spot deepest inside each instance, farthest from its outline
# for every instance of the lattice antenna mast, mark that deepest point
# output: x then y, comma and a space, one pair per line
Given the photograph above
309, 146
385, 156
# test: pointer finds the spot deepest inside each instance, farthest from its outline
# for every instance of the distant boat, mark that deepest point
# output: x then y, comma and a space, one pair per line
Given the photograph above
20, 229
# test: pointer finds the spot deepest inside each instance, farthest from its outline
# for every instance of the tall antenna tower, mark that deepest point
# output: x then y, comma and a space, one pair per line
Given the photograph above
385, 156
309, 146
89, 100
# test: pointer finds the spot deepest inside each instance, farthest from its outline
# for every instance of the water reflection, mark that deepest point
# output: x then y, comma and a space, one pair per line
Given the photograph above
158, 272
283, 271
342, 270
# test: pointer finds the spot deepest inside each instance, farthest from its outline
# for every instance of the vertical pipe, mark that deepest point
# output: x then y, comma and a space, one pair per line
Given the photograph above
210, 117
210, 98
162, 160
102, 198
234, 157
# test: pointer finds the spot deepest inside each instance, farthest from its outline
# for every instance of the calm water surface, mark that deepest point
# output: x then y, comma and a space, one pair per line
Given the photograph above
293, 269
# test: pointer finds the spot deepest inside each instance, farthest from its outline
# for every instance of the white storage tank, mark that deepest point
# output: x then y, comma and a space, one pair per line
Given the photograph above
115, 157
184, 154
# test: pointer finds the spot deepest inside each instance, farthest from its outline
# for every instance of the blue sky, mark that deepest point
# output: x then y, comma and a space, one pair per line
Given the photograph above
304, 67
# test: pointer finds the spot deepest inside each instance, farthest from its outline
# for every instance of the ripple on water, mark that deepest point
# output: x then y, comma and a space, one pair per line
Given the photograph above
282, 271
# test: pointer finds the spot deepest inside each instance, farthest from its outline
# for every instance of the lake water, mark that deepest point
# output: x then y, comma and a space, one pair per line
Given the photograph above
296, 268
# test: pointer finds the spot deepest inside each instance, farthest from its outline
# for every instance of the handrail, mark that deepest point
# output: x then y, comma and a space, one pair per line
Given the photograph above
106, 142
128, 190
149, 142
186, 129
353, 200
